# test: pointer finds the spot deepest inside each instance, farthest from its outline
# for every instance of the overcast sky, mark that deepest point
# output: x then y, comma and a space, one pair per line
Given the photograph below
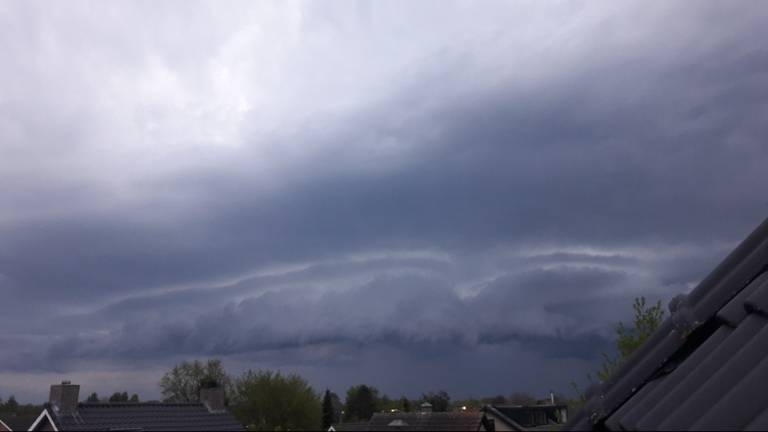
413, 195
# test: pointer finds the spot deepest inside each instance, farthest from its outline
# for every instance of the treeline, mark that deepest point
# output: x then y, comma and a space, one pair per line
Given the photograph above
11, 406
363, 400
116, 397
267, 400
260, 400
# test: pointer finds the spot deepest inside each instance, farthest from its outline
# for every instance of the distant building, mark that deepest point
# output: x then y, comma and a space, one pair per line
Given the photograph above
65, 413
430, 421
518, 417
426, 420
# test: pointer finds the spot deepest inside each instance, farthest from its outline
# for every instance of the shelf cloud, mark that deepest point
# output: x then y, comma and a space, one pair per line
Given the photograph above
388, 193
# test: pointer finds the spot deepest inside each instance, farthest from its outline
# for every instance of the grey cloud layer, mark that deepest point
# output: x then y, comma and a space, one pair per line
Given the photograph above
517, 202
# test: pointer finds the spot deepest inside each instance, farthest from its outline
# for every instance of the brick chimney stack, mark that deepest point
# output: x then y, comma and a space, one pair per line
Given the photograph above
64, 397
213, 398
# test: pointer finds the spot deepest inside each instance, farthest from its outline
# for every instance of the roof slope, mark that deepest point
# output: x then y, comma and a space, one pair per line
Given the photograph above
519, 417
435, 421
498, 414
145, 416
706, 366
18, 423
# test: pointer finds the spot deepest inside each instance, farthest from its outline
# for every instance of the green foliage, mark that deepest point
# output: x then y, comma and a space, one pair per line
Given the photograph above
134, 398
440, 401
11, 405
520, 398
647, 320
386, 404
183, 383
362, 402
575, 403
495, 400
93, 398
338, 407
470, 404
119, 397
404, 404
263, 400
329, 412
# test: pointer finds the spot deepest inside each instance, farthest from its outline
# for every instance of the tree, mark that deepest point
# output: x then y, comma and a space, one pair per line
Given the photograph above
405, 404
93, 398
647, 320
263, 400
183, 383
362, 402
495, 400
119, 397
440, 401
134, 398
329, 416
521, 398
470, 404
338, 406
11, 405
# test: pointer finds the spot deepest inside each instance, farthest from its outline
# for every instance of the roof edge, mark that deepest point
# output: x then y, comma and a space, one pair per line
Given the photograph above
44, 414
515, 425
687, 313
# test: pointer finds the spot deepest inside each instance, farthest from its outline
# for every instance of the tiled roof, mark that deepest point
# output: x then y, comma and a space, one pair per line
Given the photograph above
499, 416
351, 426
436, 421
706, 367
519, 417
145, 416
18, 423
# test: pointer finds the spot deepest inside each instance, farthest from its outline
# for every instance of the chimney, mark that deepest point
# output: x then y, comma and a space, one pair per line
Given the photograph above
213, 398
64, 396
426, 408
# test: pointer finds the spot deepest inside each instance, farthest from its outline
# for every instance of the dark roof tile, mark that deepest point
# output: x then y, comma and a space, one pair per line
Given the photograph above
760, 423
706, 366
640, 407
712, 388
758, 302
745, 401
18, 423
735, 311
145, 416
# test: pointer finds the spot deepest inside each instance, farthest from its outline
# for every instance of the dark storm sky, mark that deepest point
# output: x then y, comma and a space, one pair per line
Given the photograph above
417, 196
